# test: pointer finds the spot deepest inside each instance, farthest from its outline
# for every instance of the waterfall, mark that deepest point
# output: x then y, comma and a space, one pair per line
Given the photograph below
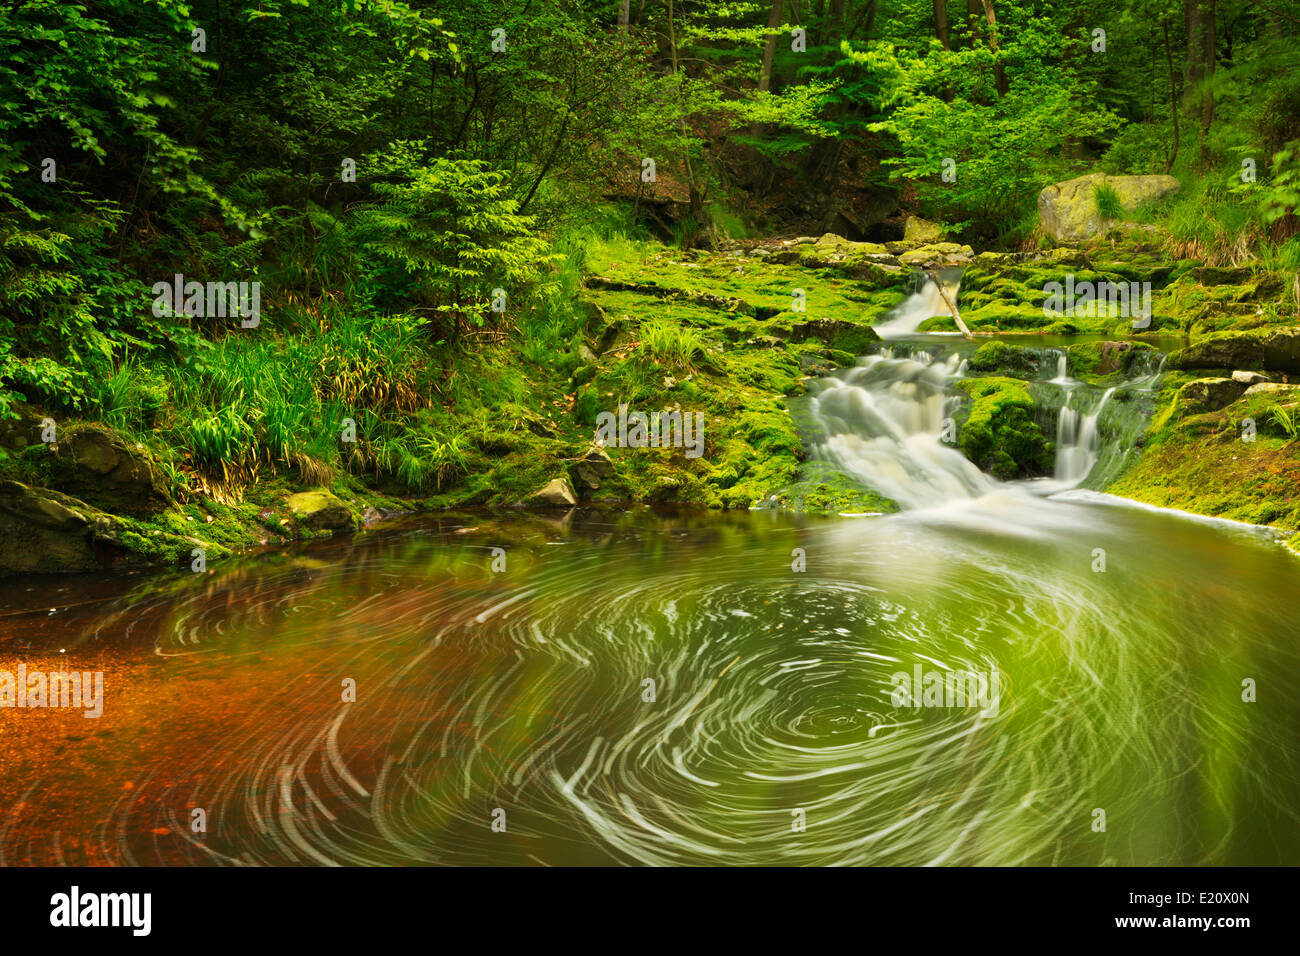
884, 423
889, 423
925, 302
1078, 443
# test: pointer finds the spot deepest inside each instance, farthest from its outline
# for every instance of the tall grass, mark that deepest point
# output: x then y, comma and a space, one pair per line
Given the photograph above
672, 346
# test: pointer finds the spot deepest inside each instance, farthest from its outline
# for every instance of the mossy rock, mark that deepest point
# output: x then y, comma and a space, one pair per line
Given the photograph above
321, 510
1004, 359
1262, 349
1068, 210
93, 463
1093, 359
1000, 435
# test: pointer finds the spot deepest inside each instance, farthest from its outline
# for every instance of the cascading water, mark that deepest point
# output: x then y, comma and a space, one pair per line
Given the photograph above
1078, 441
925, 302
884, 423
890, 423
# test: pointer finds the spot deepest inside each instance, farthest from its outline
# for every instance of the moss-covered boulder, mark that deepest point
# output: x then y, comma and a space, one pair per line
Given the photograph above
1003, 358
1259, 349
938, 254
1209, 394
44, 531
321, 510
922, 231
1068, 210
1093, 359
1000, 435
94, 463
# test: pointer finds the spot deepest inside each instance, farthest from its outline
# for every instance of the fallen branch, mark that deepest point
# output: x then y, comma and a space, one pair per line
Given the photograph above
951, 305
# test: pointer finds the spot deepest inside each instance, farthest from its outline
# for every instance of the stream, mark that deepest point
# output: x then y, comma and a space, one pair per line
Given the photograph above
640, 686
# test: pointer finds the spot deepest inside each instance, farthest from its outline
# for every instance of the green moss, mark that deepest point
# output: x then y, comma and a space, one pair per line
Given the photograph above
1000, 434
1198, 461
1003, 358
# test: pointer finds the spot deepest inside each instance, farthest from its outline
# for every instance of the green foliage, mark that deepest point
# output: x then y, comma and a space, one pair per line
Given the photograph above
671, 346
1109, 205
449, 236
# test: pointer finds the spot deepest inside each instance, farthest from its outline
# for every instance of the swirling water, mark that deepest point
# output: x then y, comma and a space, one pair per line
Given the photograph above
772, 735
647, 687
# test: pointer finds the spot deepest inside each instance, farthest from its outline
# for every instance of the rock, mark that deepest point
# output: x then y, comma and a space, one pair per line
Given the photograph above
1248, 378
22, 431
45, 531
833, 245
45, 510
1218, 275
853, 337
1269, 349
922, 231
321, 511
1014, 360
1210, 394
1068, 210
95, 464
556, 493
594, 467
938, 254
1272, 388
586, 355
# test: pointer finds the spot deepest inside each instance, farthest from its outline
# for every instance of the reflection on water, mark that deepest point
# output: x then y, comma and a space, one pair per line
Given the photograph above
525, 691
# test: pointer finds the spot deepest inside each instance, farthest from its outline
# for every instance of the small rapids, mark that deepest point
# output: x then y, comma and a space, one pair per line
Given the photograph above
891, 422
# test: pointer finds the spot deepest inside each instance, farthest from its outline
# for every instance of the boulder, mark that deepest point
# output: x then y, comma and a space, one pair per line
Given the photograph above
1210, 394
922, 231
94, 463
1269, 349
556, 493
321, 511
832, 245
1273, 388
45, 531
1068, 210
1221, 275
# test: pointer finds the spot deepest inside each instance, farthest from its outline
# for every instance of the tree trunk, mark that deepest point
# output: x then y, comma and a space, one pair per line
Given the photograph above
941, 23
769, 48
1173, 98
999, 69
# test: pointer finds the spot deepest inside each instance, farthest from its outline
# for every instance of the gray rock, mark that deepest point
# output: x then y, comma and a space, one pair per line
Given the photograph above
556, 493
1269, 349
95, 464
1210, 394
595, 467
1248, 378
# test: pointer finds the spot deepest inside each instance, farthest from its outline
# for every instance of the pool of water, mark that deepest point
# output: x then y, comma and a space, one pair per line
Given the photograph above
647, 687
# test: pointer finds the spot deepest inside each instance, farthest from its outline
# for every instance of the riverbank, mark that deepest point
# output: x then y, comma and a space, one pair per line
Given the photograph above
735, 335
